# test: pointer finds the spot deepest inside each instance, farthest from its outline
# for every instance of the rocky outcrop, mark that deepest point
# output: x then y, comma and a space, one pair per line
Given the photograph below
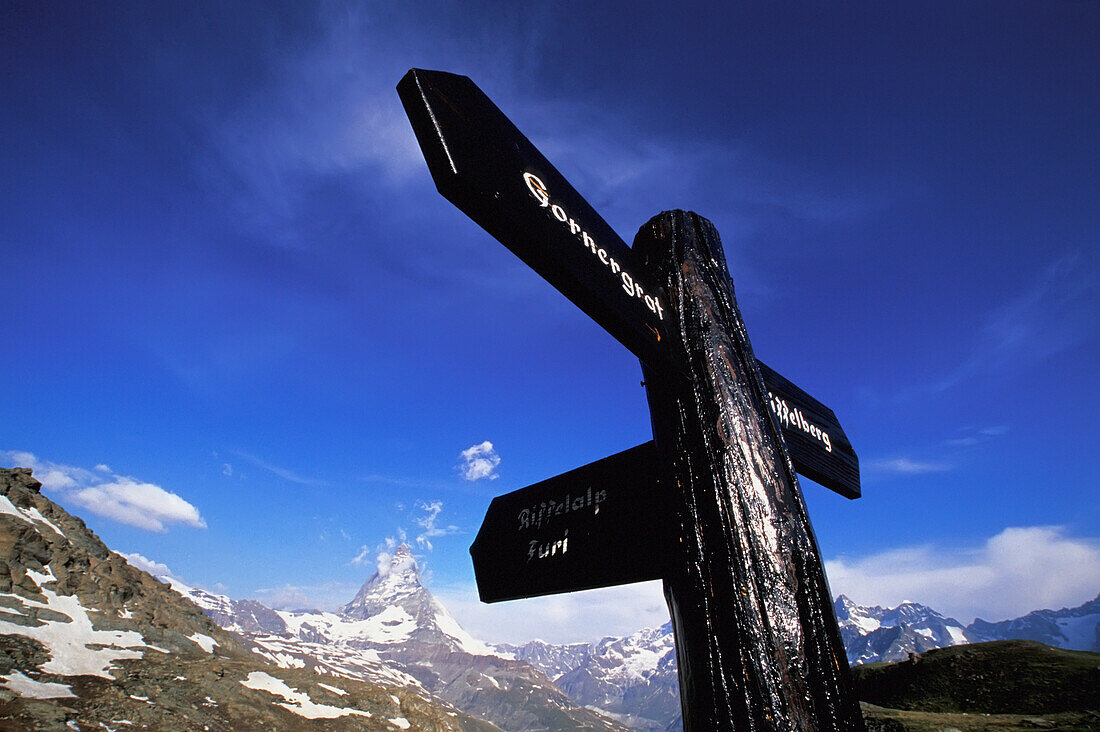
89, 642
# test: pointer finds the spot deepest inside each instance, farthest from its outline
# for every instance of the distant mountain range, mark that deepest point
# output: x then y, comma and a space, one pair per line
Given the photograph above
891, 634
395, 632
634, 677
79, 625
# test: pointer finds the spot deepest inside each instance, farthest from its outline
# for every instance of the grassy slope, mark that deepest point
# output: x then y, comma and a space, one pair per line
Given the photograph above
1001, 685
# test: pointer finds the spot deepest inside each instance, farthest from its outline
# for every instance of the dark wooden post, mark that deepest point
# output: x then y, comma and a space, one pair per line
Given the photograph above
756, 638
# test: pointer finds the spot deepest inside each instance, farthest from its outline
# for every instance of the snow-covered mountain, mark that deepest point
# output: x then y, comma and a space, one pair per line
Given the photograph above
633, 678
891, 634
1075, 628
395, 632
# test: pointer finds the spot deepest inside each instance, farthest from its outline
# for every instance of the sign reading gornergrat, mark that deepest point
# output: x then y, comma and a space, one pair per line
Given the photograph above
486, 167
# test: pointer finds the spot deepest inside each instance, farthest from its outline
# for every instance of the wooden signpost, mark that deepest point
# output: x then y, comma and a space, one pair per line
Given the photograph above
711, 506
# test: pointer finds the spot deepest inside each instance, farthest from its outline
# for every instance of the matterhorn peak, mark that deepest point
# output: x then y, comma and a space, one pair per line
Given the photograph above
401, 565
397, 582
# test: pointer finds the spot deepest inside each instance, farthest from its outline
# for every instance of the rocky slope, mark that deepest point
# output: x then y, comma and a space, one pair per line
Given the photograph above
395, 631
89, 642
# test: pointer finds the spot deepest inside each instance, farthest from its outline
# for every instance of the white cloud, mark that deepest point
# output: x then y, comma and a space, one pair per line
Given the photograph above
1019, 570
144, 505
904, 466
227, 469
479, 461
566, 618
117, 497
157, 569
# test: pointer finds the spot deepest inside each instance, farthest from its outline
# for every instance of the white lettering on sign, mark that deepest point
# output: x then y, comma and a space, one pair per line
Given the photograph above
788, 417
541, 550
542, 512
629, 284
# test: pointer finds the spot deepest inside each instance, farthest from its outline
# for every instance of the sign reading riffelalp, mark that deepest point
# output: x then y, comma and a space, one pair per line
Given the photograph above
487, 168
594, 526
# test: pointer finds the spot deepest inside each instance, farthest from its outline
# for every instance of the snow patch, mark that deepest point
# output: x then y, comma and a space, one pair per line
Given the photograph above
68, 642
27, 687
296, 701
34, 515
450, 627
333, 689
400, 722
958, 637
1080, 632
30, 515
391, 626
204, 641
40, 578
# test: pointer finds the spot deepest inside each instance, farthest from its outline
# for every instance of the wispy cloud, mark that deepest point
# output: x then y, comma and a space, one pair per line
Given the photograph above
322, 596
977, 435
1055, 313
903, 466
117, 497
429, 522
324, 112
478, 462
281, 472
1019, 570
365, 556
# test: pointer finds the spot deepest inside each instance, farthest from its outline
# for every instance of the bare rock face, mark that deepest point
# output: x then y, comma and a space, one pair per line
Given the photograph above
88, 641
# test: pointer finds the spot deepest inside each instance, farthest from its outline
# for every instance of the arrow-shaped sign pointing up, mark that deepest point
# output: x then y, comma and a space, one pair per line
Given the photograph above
486, 167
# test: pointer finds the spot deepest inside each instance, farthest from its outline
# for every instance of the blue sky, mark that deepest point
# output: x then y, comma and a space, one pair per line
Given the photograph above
248, 340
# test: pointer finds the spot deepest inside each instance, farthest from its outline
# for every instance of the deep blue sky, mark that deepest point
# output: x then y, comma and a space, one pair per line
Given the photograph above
230, 279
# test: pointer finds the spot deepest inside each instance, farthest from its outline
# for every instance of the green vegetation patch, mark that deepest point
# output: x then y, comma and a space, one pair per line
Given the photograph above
999, 677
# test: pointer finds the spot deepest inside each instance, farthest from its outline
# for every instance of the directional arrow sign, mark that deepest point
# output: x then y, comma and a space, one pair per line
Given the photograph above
596, 526
816, 442
486, 167
604, 524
